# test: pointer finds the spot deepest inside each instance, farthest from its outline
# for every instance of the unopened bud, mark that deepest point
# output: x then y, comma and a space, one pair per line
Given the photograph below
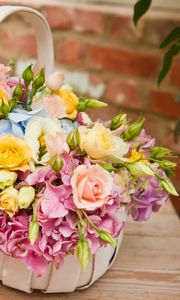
26, 196
18, 92
56, 163
7, 178
39, 79
117, 121
4, 109
134, 130
93, 103
33, 231
160, 152
83, 253
107, 237
27, 75
139, 169
73, 138
168, 186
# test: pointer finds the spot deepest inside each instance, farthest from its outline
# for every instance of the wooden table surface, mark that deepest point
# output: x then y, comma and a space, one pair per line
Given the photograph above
147, 267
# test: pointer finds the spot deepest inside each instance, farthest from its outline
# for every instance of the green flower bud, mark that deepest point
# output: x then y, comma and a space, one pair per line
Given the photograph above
4, 109
83, 253
27, 75
39, 79
134, 130
33, 231
56, 163
160, 152
12, 103
107, 237
18, 92
117, 121
167, 164
7, 178
168, 186
82, 106
139, 169
93, 103
108, 167
73, 138
26, 196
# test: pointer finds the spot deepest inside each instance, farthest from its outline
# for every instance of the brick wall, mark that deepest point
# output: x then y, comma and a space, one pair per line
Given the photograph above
103, 55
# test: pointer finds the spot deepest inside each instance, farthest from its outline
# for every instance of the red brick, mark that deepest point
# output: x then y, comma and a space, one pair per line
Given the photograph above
126, 61
59, 17
123, 27
168, 141
163, 103
88, 21
19, 44
175, 73
157, 30
124, 93
76, 19
72, 51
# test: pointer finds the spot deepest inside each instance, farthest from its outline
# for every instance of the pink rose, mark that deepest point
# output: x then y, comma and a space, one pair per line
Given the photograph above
92, 186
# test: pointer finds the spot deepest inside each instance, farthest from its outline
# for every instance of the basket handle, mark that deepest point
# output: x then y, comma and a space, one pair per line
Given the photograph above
42, 32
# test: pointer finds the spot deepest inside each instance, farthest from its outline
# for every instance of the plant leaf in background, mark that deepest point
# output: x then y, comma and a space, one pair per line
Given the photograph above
167, 61
140, 8
172, 36
177, 131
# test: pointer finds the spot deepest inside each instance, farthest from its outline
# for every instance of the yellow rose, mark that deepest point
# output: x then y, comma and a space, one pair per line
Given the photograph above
70, 100
99, 143
9, 201
15, 153
3, 98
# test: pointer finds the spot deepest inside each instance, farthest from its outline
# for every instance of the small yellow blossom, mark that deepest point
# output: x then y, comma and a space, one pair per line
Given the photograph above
137, 156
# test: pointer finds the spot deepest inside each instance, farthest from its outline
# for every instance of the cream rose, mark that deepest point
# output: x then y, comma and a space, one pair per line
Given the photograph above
92, 186
99, 143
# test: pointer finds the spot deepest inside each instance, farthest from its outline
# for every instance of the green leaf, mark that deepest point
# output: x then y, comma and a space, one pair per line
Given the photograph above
172, 36
167, 61
140, 8
177, 131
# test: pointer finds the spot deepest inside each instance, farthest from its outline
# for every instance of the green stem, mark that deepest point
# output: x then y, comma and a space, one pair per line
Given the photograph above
35, 209
90, 222
26, 98
79, 231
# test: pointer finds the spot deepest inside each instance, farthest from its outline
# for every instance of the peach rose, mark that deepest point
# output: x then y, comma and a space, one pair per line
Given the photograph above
92, 186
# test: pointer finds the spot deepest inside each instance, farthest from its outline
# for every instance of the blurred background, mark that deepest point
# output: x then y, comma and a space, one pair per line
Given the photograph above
103, 55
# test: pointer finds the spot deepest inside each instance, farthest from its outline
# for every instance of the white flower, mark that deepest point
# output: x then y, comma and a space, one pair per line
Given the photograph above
36, 130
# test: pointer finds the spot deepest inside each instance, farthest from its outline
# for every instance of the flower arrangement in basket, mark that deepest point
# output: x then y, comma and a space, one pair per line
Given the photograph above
66, 182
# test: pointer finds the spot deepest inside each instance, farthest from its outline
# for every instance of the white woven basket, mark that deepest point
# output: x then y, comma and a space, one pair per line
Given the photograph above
69, 277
